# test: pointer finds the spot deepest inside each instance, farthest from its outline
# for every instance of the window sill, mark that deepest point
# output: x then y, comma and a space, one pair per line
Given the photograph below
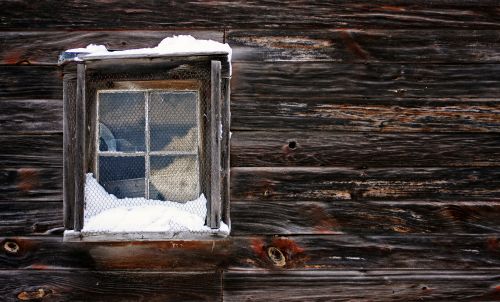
72, 236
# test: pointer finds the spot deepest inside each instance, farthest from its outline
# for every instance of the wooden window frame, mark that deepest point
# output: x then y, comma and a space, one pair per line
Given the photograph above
77, 125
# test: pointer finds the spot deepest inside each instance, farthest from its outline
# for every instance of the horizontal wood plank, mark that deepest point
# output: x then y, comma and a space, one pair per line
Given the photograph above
337, 45
31, 218
19, 285
31, 183
381, 115
274, 149
361, 286
310, 183
257, 14
30, 82
367, 217
333, 80
365, 45
44, 47
301, 217
321, 252
30, 116
31, 151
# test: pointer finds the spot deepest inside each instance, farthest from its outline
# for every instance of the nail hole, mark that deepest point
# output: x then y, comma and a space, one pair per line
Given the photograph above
292, 145
276, 256
11, 247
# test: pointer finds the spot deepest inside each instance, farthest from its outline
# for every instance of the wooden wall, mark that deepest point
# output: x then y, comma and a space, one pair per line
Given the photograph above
365, 153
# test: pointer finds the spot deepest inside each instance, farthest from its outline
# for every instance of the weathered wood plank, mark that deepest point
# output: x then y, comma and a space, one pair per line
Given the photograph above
367, 217
274, 113
304, 79
16, 285
31, 151
298, 252
308, 80
342, 45
44, 47
256, 14
28, 183
30, 218
30, 82
355, 45
303, 217
309, 183
30, 116
361, 286
274, 149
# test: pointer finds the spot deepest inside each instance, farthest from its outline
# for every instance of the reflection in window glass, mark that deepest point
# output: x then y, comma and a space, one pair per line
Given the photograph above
121, 121
174, 178
173, 121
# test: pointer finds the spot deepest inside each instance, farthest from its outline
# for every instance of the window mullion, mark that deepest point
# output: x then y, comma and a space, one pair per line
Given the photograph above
147, 138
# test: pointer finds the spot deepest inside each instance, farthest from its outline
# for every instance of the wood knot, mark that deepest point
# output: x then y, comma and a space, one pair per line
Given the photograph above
276, 256
292, 145
33, 295
11, 247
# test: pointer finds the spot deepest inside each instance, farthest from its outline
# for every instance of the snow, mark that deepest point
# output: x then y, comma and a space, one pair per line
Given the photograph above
105, 212
175, 45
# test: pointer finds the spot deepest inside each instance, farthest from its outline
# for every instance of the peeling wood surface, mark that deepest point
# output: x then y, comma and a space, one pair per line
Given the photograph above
313, 149
311, 252
309, 183
240, 14
335, 45
365, 132
109, 286
365, 45
375, 285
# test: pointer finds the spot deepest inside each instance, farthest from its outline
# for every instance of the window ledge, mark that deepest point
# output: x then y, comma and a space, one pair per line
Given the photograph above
72, 236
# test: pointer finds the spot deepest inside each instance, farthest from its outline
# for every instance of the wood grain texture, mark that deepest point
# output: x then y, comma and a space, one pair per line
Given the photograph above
18, 285
365, 45
306, 79
44, 47
336, 45
27, 183
367, 217
258, 14
30, 218
301, 148
324, 184
372, 114
30, 82
311, 252
302, 217
31, 151
361, 286
30, 116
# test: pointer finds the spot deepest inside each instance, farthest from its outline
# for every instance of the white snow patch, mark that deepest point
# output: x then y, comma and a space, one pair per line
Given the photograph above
175, 45
105, 212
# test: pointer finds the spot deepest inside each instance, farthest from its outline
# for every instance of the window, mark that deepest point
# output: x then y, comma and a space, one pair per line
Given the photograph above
146, 145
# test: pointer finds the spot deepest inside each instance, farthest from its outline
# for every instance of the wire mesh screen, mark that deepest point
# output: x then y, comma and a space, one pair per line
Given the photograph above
147, 161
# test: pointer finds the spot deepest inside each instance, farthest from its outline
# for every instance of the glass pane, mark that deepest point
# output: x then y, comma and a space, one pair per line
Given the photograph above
122, 176
173, 121
174, 178
121, 121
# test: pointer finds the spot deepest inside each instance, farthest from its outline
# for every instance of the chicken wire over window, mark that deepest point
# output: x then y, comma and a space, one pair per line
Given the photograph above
147, 144
144, 138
